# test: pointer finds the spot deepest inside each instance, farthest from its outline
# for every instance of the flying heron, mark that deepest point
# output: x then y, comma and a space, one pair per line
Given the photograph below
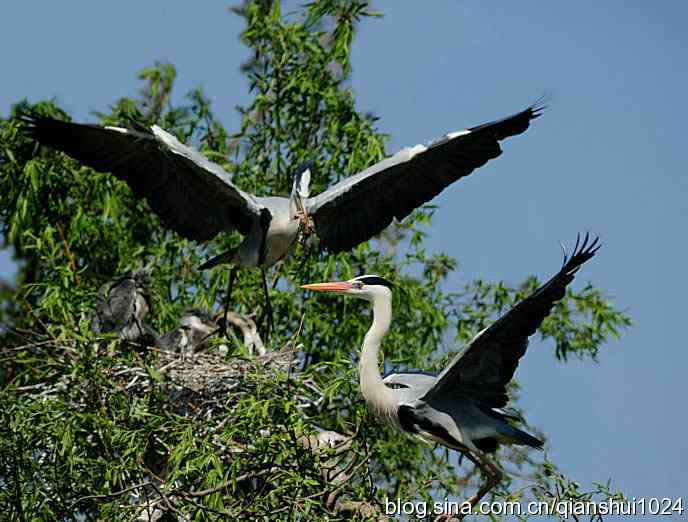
461, 408
197, 198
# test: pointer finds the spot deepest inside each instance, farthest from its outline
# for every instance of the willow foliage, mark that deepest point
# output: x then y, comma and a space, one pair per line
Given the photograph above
76, 439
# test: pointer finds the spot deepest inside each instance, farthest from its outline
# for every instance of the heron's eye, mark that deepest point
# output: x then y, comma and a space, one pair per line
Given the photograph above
357, 285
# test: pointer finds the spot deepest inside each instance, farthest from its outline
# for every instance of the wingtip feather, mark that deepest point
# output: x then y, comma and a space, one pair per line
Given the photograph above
538, 106
582, 252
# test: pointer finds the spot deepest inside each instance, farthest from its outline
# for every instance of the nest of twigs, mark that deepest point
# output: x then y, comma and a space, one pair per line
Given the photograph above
201, 383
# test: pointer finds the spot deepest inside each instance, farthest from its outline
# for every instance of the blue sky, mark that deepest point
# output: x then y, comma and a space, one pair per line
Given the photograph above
606, 156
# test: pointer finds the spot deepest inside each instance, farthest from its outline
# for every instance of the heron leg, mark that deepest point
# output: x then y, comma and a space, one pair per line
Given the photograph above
140, 339
267, 309
223, 321
493, 476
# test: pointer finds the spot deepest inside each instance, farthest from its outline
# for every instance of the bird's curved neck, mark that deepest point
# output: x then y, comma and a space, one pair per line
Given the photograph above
378, 396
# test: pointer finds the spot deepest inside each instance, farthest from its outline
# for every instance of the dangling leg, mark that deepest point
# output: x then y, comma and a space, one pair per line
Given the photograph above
267, 310
223, 320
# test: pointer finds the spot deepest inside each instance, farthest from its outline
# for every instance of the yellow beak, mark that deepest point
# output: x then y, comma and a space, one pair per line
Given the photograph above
337, 286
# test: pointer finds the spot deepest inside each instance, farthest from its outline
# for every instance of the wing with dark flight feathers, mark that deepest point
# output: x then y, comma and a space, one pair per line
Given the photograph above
363, 205
192, 195
483, 369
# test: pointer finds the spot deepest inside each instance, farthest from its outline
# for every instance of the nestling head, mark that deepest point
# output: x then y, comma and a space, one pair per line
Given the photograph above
366, 287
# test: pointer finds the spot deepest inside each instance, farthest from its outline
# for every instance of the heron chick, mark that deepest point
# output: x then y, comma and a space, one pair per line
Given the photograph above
193, 331
122, 305
461, 408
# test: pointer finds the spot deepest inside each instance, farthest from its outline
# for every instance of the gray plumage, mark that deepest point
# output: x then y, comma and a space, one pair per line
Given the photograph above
363, 205
194, 329
198, 199
122, 305
462, 407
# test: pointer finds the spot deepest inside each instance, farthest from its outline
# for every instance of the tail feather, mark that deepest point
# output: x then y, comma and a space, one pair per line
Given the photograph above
224, 257
517, 436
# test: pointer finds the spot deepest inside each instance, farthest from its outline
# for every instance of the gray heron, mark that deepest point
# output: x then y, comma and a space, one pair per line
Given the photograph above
197, 198
462, 407
122, 305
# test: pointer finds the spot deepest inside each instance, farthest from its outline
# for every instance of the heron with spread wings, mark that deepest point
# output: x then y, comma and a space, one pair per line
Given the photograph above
462, 407
198, 199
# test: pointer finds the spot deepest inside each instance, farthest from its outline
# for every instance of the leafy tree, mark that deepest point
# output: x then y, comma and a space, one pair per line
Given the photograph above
87, 420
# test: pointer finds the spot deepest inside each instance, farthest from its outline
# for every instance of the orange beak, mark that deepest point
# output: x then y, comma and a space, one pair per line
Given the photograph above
339, 287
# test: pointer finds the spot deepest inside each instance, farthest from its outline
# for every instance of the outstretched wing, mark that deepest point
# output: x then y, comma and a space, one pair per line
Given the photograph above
483, 369
192, 195
361, 206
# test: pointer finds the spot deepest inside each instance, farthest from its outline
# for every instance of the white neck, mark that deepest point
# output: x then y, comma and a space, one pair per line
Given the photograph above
379, 397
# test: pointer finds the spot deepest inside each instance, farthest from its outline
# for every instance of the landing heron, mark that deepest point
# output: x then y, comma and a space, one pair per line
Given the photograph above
461, 408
